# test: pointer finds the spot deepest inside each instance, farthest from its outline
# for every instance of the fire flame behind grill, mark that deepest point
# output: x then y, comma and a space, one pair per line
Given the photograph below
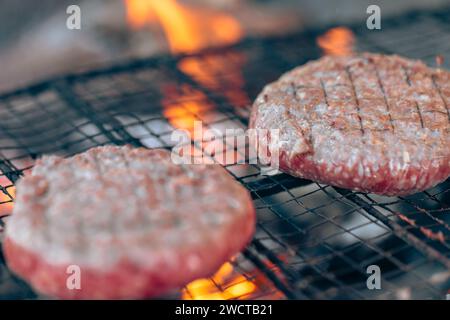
187, 30
337, 41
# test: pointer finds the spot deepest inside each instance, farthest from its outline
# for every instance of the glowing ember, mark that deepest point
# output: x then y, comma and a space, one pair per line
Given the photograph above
6, 204
337, 41
232, 286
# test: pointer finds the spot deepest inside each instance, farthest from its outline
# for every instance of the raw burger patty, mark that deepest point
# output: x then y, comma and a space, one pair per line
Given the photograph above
136, 224
366, 122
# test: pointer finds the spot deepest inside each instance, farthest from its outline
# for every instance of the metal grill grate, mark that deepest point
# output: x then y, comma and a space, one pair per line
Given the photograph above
312, 240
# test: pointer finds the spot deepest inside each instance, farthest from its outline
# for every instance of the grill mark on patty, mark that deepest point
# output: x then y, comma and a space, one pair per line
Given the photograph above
113, 226
357, 105
80, 226
45, 216
308, 137
380, 84
141, 204
325, 96
408, 81
51, 227
172, 216
438, 89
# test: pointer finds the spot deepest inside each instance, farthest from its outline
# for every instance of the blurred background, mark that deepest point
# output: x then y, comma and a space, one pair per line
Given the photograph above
307, 233
35, 43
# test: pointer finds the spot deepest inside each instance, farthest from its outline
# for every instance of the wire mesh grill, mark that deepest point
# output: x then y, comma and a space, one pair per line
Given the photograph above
312, 240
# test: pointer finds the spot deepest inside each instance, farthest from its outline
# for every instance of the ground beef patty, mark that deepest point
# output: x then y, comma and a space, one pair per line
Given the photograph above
366, 122
136, 224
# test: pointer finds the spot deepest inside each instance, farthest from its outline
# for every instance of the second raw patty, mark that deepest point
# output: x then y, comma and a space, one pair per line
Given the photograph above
368, 122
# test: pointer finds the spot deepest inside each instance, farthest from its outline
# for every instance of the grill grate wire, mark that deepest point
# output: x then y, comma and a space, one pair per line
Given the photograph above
313, 241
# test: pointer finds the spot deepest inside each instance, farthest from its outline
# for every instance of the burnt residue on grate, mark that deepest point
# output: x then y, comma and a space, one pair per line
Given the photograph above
312, 240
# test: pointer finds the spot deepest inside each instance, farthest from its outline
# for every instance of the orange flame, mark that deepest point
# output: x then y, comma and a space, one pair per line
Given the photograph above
337, 41
183, 105
186, 29
190, 29
139, 13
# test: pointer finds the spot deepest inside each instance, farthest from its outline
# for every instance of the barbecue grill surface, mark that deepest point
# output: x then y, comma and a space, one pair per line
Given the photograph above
312, 240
